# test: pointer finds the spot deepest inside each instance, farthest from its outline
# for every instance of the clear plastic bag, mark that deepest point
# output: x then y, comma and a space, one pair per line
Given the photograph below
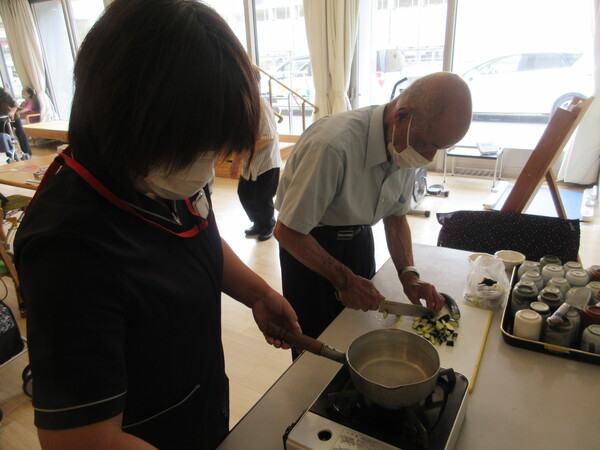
487, 285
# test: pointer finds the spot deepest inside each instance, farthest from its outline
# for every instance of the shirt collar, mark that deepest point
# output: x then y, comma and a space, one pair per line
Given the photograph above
376, 151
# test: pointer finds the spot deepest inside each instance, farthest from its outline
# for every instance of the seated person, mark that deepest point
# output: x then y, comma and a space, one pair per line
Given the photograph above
30, 106
8, 107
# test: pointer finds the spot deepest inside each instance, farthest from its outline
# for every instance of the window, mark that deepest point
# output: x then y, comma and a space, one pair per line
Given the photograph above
397, 39
85, 14
233, 13
8, 74
283, 52
62, 26
521, 70
58, 53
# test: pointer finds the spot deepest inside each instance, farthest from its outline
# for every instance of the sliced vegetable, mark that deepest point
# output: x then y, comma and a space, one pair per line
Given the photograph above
437, 331
454, 311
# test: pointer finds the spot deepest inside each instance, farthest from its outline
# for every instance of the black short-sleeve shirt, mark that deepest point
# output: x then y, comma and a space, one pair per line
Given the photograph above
122, 317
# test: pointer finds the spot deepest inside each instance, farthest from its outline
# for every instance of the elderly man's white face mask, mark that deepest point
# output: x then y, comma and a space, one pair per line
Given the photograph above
408, 158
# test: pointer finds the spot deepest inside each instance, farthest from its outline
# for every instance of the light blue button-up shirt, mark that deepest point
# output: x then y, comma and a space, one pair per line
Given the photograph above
339, 174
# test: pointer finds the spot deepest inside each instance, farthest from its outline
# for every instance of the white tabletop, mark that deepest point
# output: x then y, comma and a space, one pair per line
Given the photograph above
521, 399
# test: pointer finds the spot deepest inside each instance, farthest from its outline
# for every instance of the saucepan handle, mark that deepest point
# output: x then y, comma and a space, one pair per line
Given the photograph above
303, 342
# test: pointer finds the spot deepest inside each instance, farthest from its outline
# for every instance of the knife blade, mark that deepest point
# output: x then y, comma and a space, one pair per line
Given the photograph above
404, 309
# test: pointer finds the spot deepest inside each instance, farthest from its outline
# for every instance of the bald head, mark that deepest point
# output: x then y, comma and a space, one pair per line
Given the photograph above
440, 101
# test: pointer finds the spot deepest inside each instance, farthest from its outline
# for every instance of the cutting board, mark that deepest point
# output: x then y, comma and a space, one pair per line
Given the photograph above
466, 354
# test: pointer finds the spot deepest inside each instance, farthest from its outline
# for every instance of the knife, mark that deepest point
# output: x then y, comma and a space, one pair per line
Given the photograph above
404, 309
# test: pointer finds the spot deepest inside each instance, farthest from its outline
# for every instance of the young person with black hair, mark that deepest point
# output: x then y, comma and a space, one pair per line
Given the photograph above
119, 254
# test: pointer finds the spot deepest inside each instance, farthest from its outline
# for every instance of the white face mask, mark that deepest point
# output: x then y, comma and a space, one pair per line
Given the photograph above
182, 184
408, 158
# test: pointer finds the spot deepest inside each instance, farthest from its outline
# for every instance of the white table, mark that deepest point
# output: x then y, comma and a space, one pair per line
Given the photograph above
521, 400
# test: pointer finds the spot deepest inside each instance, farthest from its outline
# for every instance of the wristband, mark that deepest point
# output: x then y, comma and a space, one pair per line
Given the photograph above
408, 269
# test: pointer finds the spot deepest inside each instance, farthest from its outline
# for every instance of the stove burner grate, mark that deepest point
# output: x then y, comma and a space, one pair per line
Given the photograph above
412, 426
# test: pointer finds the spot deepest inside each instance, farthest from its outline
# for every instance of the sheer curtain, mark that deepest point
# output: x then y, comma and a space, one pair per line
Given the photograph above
26, 51
581, 163
331, 30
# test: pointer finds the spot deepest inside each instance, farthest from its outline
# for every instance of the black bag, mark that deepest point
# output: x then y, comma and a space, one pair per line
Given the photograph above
11, 343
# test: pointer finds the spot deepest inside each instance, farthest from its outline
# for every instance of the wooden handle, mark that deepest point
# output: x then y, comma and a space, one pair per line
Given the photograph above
300, 341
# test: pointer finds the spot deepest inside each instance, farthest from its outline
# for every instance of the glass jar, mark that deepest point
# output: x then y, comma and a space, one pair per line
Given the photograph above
534, 275
558, 334
551, 271
577, 278
522, 295
528, 265
561, 283
549, 259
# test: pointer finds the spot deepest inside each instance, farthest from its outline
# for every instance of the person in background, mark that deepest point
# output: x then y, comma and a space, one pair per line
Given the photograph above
10, 117
348, 171
125, 340
29, 106
260, 176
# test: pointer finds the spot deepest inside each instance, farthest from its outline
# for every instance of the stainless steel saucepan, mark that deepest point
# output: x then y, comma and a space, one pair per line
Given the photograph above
393, 368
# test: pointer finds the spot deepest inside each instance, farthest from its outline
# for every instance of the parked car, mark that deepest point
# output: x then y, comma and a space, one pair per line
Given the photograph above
529, 83
296, 74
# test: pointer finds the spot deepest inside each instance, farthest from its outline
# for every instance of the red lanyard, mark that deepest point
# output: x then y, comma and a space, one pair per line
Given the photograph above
112, 198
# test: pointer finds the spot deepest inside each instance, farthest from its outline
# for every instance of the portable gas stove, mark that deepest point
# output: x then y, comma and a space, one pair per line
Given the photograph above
342, 419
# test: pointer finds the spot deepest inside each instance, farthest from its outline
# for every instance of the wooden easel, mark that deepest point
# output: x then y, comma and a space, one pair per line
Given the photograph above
539, 166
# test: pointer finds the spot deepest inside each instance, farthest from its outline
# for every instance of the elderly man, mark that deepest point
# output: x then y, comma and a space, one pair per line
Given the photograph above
347, 172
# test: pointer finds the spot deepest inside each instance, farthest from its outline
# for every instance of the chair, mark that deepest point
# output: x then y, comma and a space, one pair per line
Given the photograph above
33, 118
490, 231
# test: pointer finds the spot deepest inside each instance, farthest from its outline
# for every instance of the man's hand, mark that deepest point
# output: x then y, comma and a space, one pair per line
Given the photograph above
416, 289
359, 293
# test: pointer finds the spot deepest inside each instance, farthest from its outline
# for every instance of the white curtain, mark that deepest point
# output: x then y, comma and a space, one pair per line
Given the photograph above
331, 30
581, 163
26, 51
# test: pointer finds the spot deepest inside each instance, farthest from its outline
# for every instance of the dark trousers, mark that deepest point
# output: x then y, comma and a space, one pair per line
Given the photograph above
21, 136
256, 198
311, 295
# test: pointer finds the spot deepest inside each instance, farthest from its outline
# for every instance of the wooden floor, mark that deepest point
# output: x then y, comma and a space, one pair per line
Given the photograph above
252, 365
